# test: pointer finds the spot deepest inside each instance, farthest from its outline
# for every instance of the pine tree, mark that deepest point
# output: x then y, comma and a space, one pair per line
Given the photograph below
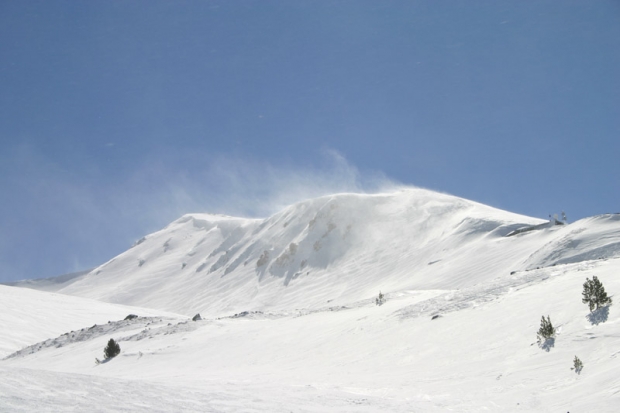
577, 365
112, 349
546, 330
594, 294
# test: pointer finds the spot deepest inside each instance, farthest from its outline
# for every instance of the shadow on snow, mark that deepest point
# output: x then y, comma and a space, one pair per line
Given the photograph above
599, 315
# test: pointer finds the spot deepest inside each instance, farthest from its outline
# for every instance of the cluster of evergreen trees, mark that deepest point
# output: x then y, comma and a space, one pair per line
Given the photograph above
595, 296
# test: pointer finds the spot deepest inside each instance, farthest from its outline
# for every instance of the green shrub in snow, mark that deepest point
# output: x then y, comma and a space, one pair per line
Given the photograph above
546, 330
577, 365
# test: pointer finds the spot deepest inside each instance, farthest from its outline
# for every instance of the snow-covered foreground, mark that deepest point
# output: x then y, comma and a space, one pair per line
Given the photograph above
467, 346
480, 354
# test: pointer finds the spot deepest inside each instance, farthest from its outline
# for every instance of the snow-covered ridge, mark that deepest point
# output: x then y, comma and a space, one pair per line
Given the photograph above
337, 249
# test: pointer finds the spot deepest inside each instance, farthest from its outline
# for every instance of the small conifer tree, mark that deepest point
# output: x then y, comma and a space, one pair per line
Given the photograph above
577, 365
112, 349
594, 294
546, 329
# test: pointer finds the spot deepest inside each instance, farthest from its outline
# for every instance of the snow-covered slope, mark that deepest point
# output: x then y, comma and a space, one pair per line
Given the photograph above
291, 322
479, 355
335, 249
591, 238
29, 316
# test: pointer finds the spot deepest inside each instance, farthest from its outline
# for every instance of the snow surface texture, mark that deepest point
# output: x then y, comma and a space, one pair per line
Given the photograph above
290, 321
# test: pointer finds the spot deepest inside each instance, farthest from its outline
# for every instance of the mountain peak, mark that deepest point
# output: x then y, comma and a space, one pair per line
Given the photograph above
338, 247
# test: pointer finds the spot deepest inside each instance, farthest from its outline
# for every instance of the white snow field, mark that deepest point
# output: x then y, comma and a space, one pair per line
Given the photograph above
290, 322
29, 316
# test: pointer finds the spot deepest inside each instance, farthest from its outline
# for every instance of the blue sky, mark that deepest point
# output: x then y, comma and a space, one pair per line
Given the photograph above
116, 117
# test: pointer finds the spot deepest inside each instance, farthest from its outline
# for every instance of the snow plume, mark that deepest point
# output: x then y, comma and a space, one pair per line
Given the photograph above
238, 186
259, 189
98, 214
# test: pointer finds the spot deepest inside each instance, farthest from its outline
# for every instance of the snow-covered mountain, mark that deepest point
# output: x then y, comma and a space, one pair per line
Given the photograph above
290, 320
334, 249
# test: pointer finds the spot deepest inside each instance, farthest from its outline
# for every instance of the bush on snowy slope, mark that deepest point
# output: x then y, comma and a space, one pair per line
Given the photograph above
546, 333
577, 365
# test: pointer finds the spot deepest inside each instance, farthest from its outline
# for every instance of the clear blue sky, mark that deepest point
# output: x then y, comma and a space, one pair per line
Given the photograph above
116, 117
